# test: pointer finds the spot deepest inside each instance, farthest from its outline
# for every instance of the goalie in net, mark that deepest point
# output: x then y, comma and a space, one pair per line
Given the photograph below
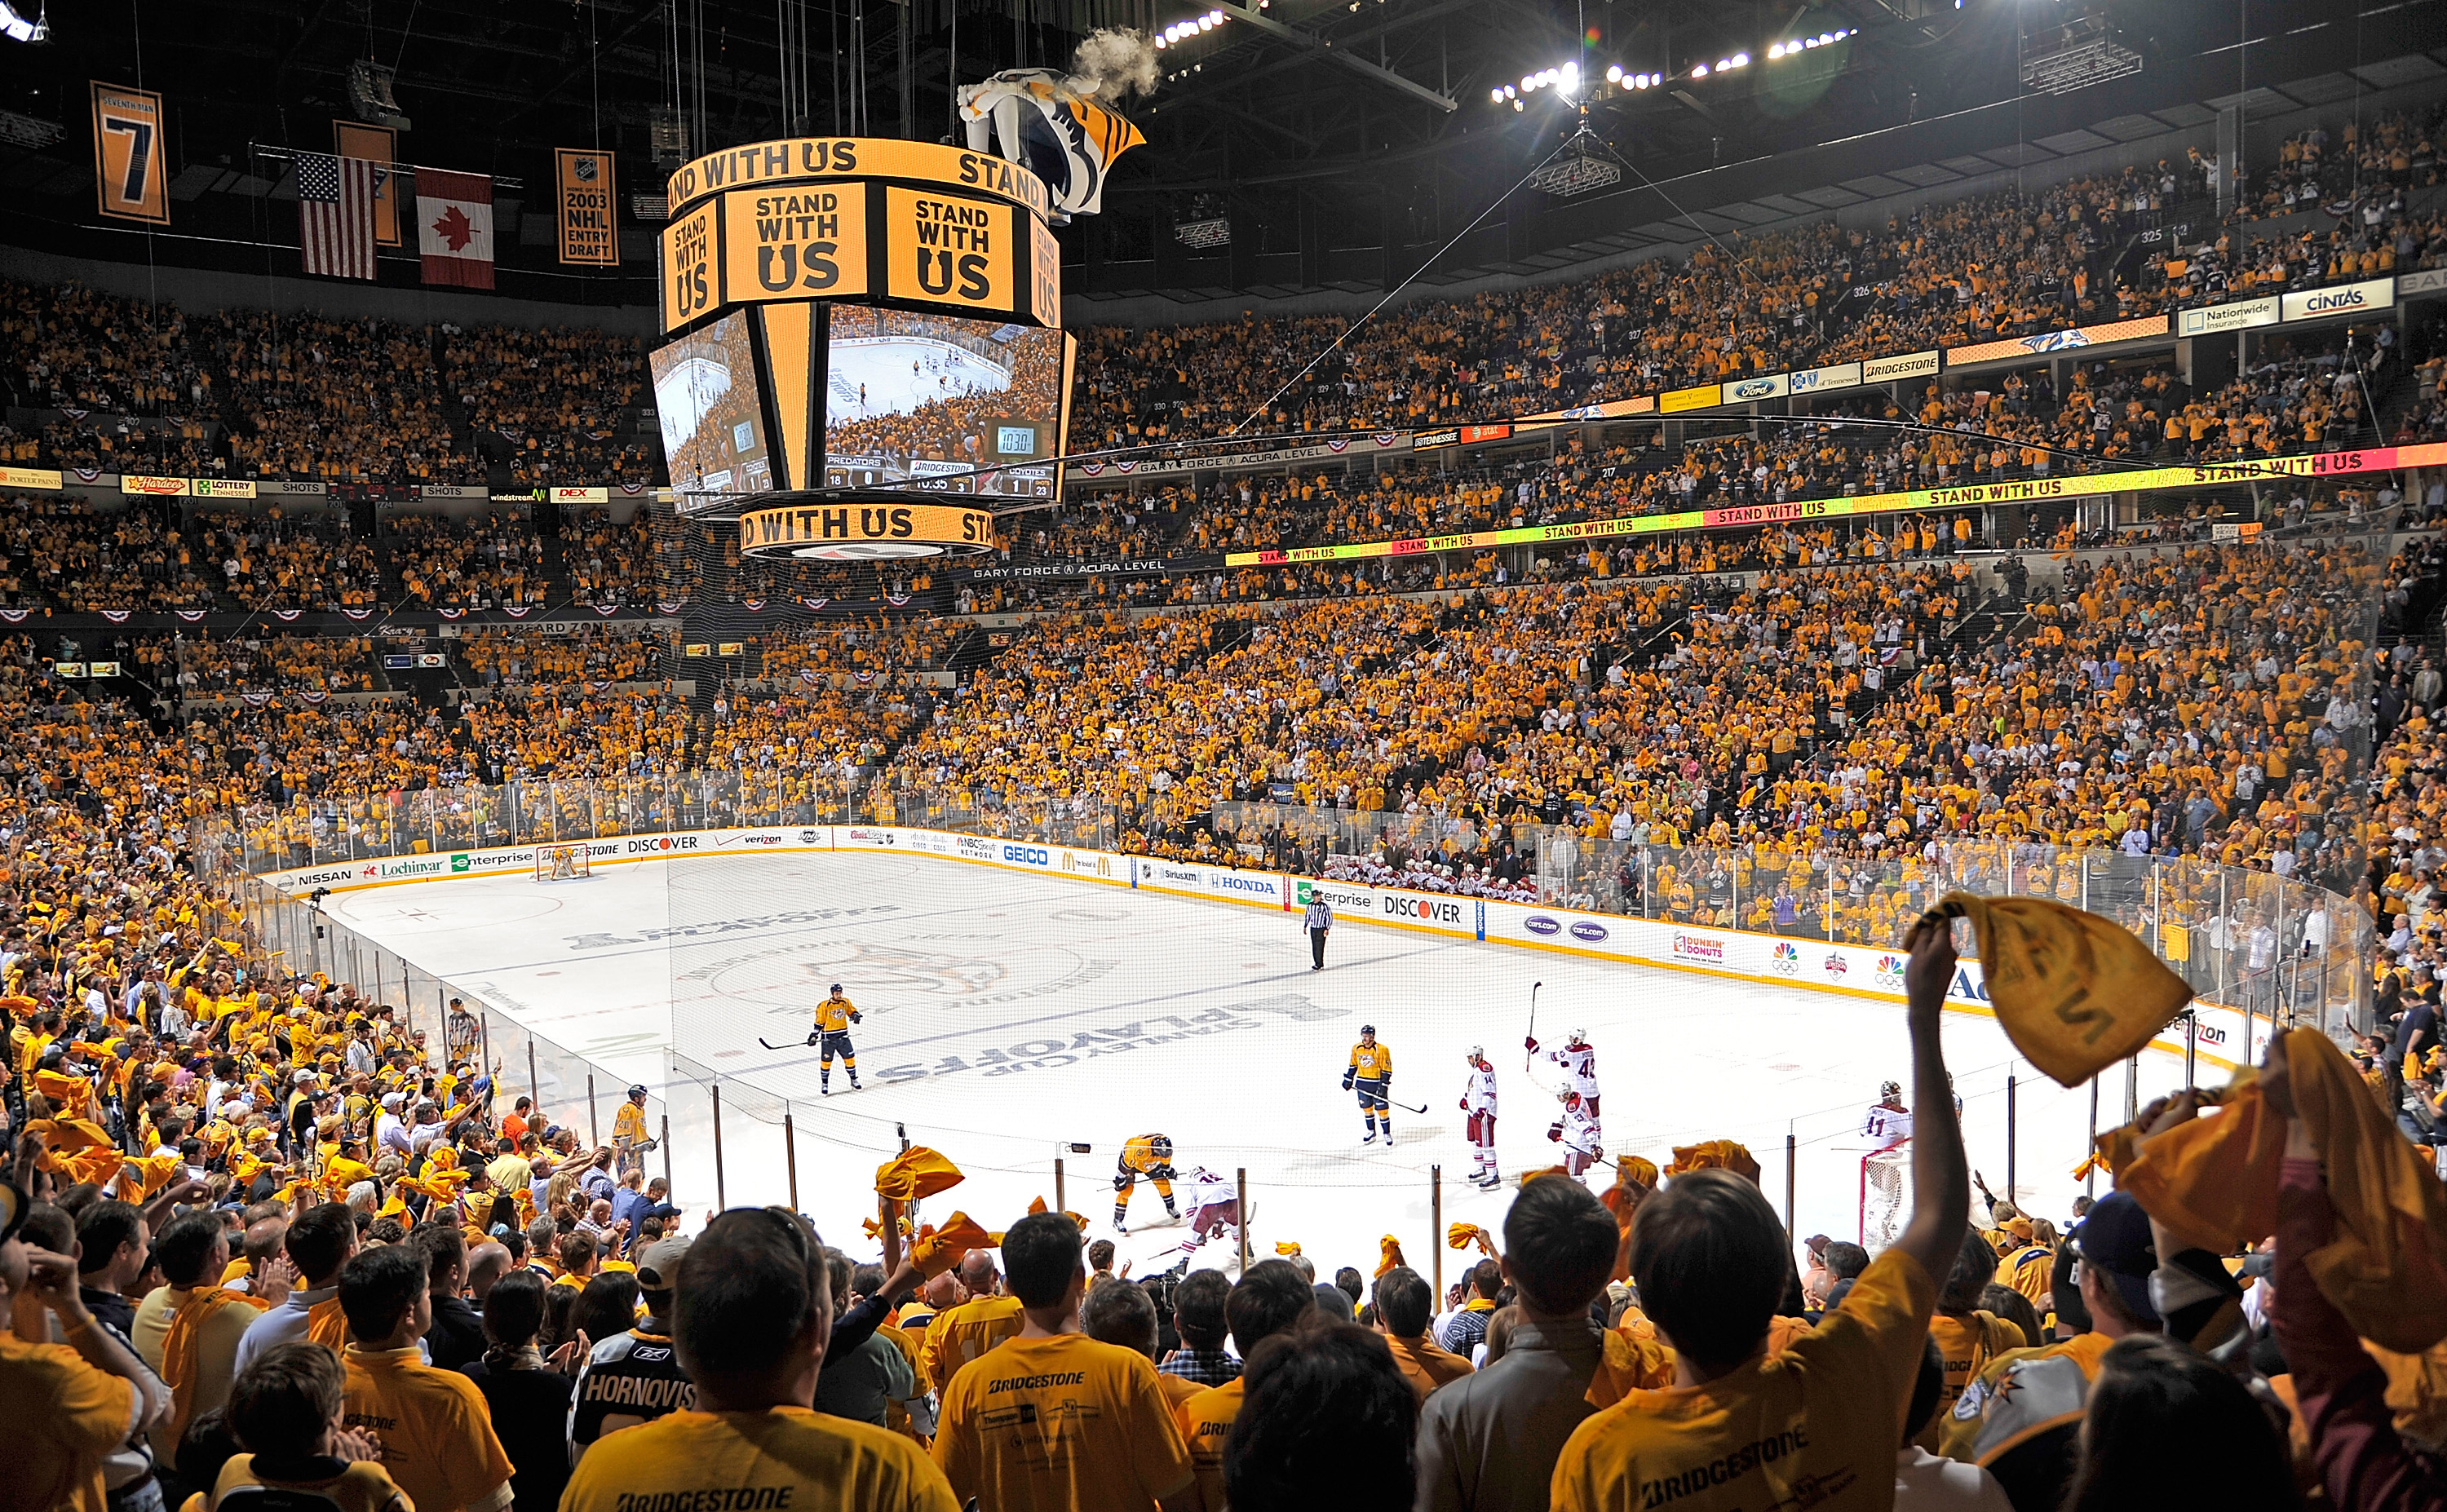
1886, 1171
561, 863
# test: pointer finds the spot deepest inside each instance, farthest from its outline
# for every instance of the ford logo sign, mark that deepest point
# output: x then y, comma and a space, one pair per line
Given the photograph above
1592, 933
1540, 924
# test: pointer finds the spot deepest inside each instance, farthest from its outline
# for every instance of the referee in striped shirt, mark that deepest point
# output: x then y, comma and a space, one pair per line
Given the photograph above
1317, 918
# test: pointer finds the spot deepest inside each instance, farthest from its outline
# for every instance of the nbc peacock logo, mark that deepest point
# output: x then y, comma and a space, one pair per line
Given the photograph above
1889, 971
1786, 958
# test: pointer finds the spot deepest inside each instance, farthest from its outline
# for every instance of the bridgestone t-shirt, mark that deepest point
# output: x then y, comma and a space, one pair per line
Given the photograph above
1059, 1424
1812, 1425
627, 1379
785, 1459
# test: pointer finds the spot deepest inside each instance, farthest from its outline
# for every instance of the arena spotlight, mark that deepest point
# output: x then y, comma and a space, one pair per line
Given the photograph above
17, 28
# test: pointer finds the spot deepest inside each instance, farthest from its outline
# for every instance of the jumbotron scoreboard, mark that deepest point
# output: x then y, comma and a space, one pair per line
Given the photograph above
860, 315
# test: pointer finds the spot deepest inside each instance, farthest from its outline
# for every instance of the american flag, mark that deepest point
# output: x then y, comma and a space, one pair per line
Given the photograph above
335, 215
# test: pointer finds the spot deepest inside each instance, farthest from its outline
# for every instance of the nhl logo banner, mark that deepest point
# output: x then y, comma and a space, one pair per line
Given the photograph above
588, 236
454, 227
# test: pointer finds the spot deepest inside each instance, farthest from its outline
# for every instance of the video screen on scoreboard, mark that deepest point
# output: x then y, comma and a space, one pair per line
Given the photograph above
712, 417
942, 403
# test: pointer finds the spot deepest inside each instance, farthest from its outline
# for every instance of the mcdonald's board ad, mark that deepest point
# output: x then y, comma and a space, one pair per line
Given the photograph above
587, 195
130, 183
806, 242
952, 251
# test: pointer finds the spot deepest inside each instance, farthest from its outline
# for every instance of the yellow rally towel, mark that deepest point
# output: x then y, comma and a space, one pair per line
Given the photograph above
2216, 1180
327, 1325
941, 1249
1716, 1153
2073, 992
916, 1172
875, 1230
1462, 1236
1388, 1254
1286, 1248
70, 1134
179, 1346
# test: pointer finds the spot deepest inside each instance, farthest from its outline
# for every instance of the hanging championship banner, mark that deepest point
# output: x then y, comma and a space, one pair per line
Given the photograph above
129, 180
378, 145
588, 237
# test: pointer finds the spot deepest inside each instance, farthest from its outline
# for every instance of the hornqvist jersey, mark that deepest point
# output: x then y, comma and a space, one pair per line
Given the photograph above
1890, 1126
1479, 1097
627, 1379
1372, 1063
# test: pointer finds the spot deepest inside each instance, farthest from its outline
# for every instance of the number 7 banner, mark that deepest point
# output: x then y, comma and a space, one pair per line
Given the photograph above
129, 180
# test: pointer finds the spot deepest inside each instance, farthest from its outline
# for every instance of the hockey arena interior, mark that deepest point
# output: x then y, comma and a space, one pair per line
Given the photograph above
1462, 755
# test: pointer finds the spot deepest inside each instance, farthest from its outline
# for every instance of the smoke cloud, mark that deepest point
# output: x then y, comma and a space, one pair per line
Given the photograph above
1112, 65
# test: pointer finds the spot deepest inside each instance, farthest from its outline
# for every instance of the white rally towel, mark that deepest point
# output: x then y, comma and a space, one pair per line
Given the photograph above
454, 227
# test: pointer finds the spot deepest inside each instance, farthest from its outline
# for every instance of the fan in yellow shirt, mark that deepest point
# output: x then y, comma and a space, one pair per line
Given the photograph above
434, 1428
960, 1333
1743, 1426
288, 1410
1053, 1420
751, 1322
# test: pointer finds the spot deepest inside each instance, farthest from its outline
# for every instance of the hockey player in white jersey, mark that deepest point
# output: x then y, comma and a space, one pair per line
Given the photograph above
1214, 1211
1478, 1101
1578, 1062
1577, 1130
1888, 1121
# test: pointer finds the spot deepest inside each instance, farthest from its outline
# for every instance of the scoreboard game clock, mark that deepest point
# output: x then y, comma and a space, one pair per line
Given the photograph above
859, 314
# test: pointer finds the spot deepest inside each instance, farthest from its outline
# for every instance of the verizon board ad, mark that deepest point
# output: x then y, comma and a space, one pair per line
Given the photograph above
1864, 970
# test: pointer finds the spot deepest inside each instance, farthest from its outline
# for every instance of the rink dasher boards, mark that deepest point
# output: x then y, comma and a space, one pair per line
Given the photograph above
1151, 1012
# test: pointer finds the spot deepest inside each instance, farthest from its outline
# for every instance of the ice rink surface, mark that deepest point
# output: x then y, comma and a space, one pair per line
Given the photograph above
883, 375
1007, 1015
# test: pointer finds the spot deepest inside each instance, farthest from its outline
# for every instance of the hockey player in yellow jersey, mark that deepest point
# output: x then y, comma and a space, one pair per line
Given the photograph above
1370, 1074
1150, 1155
834, 1017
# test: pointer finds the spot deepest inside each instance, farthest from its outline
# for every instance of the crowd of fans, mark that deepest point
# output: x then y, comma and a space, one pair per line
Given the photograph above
482, 561
563, 397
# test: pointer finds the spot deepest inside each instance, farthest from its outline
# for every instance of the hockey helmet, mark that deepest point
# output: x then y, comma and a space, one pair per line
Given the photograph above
1572, 1099
1891, 1090
1162, 1144
1477, 1054
1579, 1036
1366, 1030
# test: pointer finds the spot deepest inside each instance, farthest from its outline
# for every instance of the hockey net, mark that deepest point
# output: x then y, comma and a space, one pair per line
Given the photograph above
1884, 1179
561, 863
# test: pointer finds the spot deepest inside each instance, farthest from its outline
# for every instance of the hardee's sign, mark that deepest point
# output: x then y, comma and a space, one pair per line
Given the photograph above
867, 531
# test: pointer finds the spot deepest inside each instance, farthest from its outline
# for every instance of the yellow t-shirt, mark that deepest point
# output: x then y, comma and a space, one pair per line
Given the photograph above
797, 1457
359, 1487
435, 1429
963, 1334
1055, 1424
1204, 1421
1822, 1416
70, 1415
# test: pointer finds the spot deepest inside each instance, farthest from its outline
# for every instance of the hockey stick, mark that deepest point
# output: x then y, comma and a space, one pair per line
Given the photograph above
1533, 1023
1404, 1106
771, 1046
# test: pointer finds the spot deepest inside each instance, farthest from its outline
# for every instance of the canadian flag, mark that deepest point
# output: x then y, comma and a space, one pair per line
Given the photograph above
454, 227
